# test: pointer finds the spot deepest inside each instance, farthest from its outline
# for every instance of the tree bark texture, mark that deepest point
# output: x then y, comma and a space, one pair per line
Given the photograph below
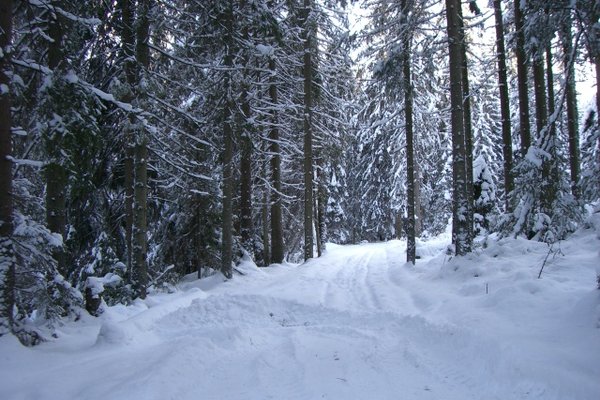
7, 256
320, 203
246, 225
522, 63
460, 207
128, 45
552, 167
308, 135
468, 128
572, 114
140, 200
265, 222
246, 222
128, 173
277, 246
598, 106
504, 106
539, 81
198, 242
410, 151
6, 199
543, 131
417, 189
140, 225
551, 95
227, 216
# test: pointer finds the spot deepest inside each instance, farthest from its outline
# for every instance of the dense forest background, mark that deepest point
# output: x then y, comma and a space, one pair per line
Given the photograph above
141, 141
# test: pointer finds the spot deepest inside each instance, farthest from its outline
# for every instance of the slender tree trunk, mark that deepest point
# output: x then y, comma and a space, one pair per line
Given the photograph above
410, 151
551, 95
504, 106
598, 106
598, 91
317, 231
265, 220
460, 207
277, 246
199, 253
539, 81
128, 173
140, 246
417, 190
553, 174
320, 202
140, 206
266, 254
572, 114
541, 109
7, 256
227, 219
308, 136
227, 235
543, 131
128, 40
466, 93
595, 56
522, 62
246, 223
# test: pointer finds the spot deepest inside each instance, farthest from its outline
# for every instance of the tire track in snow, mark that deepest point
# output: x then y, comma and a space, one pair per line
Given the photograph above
346, 282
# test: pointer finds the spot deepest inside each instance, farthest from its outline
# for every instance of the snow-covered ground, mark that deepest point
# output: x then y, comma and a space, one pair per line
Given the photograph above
358, 323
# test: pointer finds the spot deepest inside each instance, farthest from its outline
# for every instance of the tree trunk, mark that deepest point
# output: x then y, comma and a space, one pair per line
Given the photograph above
525, 129
246, 223
598, 107
320, 202
553, 175
128, 40
308, 156
317, 231
467, 125
198, 242
541, 110
541, 120
265, 222
227, 220
277, 247
140, 206
140, 246
128, 173
7, 256
460, 207
410, 152
551, 95
572, 114
417, 190
504, 106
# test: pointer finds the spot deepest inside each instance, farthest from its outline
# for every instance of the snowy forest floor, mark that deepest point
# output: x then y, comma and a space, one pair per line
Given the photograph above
357, 323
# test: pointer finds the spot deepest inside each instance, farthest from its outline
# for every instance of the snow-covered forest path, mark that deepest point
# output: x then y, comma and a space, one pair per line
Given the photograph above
357, 323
